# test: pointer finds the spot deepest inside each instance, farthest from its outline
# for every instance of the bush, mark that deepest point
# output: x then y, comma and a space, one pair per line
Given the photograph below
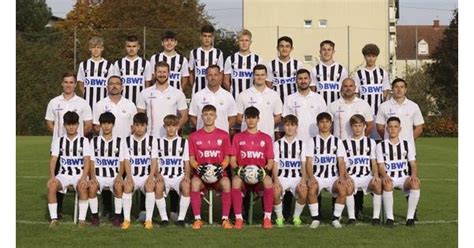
440, 126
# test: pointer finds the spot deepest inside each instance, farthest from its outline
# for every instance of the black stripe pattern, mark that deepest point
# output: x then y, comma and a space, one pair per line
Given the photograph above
396, 158
242, 75
171, 156
371, 87
106, 156
325, 157
328, 81
201, 60
284, 77
71, 158
290, 158
133, 77
95, 75
358, 155
176, 64
140, 155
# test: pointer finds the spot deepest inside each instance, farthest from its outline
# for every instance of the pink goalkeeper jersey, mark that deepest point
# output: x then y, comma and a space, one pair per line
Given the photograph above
209, 148
252, 149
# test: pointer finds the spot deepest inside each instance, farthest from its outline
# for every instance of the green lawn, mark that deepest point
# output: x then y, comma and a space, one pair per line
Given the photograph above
438, 213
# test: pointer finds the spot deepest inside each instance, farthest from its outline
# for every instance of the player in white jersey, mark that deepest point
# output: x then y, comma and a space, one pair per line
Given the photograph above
109, 154
398, 168
142, 149
135, 71
93, 73
202, 57
214, 95
328, 74
73, 153
122, 108
238, 66
362, 168
304, 104
281, 74
328, 171
289, 171
345, 107
175, 170
179, 71
160, 100
264, 99
408, 111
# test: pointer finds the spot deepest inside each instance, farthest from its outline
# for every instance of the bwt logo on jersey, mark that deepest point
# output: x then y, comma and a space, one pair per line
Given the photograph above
140, 161
132, 80
251, 154
290, 164
396, 165
328, 86
210, 154
284, 80
71, 161
106, 162
359, 161
324, 160
242, 74
175, 75
170, 161
94, 82
371, 89
201, 71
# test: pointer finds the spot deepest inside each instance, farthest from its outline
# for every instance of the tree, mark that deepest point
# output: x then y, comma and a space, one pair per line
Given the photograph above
32, 15
444, 71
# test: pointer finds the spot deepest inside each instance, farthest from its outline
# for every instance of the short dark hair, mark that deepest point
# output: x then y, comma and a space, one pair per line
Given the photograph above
107, 117
215, 66
132, 38
323, 116
168, 34
357, 118
285, 38
71, 117
393, 118
170, 120
396, 80
162, 64
328, 42
69, 74
207, 29
290, 119
208, 108
259, 67
252, 112
302, 71
114, 76
140, 118
371, 49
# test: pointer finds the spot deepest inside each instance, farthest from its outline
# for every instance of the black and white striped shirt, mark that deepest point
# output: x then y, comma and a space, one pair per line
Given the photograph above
240, 68
327, 79
199, 60
107, 155
141, 153
371, 85
134, 75
71, 154
172, 154
94, 75
360, 154
396, 157
325, 155
178, 67
283, 76
290, 156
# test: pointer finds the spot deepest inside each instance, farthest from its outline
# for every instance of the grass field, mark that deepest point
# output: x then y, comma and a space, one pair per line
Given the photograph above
438, 213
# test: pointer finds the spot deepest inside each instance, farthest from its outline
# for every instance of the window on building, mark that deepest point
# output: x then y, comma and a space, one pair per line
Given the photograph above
423, 48
308, 23
308, 58
323, 23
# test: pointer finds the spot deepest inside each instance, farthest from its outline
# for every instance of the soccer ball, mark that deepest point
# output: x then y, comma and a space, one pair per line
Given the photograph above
209, 175
251, 174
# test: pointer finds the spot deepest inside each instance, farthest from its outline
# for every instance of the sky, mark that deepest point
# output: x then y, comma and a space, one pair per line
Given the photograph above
228, 13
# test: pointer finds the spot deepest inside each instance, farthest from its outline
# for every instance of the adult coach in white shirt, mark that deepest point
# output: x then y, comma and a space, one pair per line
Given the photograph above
348, 105
214, 95
67, 101
266, 100
306, 105
122, 108
161, 100
405, 109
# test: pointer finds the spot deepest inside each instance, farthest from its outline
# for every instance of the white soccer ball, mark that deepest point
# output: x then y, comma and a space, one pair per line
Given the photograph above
210, 174
250, 174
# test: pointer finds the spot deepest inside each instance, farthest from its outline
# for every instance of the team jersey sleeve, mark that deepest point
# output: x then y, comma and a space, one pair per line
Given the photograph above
80, 73
96, 113
278, 107
418, 117
286, 108
86, 148
232, 110
152, 63
228, 66
235, 145
191, 60
344, 74
193, 106
227, 145
86, 112
367, 112
182, 105
50, 116
386, 80
341, 152
411, 155
55, 150
154, 148
380, 119
185, 68
186, 151
309, 148
303, 153
313, 77
356, 79
276, 152
116, 68
220, 61
373, 151
240, 104
269, 72
192, 146
141, 103
270, 153
379, 153
124, 154
148, 71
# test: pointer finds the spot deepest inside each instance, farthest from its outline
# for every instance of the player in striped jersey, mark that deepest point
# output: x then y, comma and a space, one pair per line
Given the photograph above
398, 168
108, 156
362, 168
327, 75
173, 152
179, 71
202, 57
289, 171
252, 147
140, 173
372, 82
328, 171
134, 70
73, 153
281, 74
238, 67
93, 73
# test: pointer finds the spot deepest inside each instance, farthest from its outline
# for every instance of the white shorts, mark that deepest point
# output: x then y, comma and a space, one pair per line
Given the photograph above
139, 183
67, 180
326, 184
398, 183
173, 183
106, 182
290, 184
362, 183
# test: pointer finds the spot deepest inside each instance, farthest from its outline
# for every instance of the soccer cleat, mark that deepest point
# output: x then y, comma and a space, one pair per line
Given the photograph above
314, 224
116, 221
197, 224
351, 222
335, 223
125, 225
239, 224
297, 221
389, 223
164, 223
82, 224
226, 224
180, 223
280, 222
410, 223
95, 221
53, 223
267, 223
375, 222
148, 225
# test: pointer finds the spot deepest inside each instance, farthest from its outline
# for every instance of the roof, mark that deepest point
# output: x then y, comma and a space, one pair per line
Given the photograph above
409, 35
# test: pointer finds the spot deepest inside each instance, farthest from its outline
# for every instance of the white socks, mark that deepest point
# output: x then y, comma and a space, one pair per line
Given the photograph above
94, 205
377, 204
183, 206
278, 210
412, 202
338, 208
118, 205
161, 205
267, 215
350, 206
298, 210
314, 209
388, 204
127, 205
149, 205
53, 210
83, 205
